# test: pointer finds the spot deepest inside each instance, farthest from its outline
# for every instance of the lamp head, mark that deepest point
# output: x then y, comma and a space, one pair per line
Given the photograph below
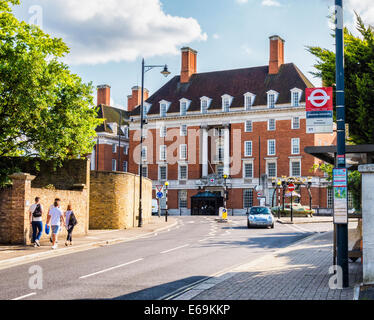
165, 72
166, 183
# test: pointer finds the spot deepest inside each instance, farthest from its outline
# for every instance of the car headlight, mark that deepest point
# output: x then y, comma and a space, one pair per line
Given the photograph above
251, 217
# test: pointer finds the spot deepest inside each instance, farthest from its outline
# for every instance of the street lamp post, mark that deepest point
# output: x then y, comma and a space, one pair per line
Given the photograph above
145, 69
342, 229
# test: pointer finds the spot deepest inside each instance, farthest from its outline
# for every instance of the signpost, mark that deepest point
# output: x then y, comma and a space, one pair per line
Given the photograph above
340, 179
319, 110
291, 188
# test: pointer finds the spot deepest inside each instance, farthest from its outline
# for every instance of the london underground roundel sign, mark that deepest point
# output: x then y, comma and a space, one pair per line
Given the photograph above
319, 99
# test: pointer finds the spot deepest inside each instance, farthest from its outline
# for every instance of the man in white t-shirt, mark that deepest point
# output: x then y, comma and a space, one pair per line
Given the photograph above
55, 218
36, 221
58, 200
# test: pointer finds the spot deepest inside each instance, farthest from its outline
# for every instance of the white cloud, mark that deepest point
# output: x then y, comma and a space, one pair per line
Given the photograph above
270, 3
115, 30
216, 36
364, 8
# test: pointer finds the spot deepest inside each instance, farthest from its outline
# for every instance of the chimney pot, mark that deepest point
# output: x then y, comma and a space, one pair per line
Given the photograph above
103, 94
135, 98
189, 64
276, 54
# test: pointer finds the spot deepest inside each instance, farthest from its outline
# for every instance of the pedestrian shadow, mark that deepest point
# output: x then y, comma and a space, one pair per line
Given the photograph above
159, 291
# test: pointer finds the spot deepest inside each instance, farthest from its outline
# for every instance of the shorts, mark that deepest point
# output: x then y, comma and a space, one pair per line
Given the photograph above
55, 229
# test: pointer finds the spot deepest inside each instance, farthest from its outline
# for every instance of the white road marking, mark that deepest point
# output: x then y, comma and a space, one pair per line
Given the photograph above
166, 251
112, 268
202, 240
25, 296
297, 228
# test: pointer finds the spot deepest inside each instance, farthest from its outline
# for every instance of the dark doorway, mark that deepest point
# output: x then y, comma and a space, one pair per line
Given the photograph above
206, 204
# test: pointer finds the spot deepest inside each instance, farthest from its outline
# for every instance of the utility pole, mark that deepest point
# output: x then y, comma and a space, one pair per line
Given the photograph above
342, 229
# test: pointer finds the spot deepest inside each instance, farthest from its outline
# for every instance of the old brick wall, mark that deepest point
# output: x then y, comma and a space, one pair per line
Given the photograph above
114, 199
71, 182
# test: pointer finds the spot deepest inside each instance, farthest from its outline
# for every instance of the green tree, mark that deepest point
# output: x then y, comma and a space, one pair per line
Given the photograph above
45, 110
359, 80
354, 182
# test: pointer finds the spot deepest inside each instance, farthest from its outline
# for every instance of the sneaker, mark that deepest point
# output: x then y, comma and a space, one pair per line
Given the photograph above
54, 247
66, 243
71, 243
37, 243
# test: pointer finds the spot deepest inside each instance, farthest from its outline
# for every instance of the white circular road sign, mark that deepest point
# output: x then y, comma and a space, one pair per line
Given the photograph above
315, 97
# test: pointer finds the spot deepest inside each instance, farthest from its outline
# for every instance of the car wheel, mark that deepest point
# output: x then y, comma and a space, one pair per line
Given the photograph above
272, 226
248, 225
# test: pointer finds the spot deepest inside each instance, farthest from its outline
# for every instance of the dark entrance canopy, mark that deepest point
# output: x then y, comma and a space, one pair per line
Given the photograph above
206, 203
355, 154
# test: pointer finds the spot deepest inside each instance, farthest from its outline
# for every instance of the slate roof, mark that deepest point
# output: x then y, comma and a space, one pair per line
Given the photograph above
110, 115
232, 82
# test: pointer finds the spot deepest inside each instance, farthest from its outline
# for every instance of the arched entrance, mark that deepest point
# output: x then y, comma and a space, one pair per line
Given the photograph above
206, 203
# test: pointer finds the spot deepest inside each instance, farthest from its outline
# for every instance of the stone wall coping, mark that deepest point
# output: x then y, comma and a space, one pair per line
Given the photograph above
22, 176
119, 173
366, 168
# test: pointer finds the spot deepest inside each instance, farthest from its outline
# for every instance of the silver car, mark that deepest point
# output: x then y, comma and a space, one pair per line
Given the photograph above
260, 217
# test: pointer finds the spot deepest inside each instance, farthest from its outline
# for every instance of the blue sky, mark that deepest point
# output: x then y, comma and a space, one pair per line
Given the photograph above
108, 38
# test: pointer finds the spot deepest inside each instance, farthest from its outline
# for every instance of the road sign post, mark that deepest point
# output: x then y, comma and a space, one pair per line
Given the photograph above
291, 188
342, 229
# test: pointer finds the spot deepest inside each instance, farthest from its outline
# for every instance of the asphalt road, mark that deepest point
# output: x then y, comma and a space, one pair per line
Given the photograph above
153, 266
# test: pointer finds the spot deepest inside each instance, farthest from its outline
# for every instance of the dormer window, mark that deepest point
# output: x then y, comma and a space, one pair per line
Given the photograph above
226, 102
146, 108
184, 104
249, 99
272, 98
296, 97
164, 105
205, 101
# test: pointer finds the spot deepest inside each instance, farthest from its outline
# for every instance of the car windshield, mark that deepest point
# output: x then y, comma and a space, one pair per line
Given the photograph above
259, 210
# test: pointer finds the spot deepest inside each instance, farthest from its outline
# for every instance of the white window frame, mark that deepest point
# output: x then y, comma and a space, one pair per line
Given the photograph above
125, 165
269, 94
249, 142
144, 153
275, 147
114, 164
246, 127
220, 168
207, 101
146, 108
295, 140
125, 149
114, 148
163, 152
226, 102
251, 197
163, 131
167, 105
299, 92
244, 171
179, 172
218, 148
275, 125
293, 123
276, 168
181, 151
184, 199
145, 167
182, 133
159, 172
252, 97
295, 161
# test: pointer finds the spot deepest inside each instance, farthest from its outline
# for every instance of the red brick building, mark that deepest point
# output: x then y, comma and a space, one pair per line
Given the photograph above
243, 123
111, 152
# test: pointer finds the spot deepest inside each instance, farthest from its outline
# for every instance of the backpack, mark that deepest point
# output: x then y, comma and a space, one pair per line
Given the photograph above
37, 212
72, 220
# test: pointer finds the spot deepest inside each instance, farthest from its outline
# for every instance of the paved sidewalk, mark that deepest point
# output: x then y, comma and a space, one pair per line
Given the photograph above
298, 272
303, 220
17, 254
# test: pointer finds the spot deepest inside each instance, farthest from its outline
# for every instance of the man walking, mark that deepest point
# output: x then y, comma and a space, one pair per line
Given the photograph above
55, 218
49, 210
36, 221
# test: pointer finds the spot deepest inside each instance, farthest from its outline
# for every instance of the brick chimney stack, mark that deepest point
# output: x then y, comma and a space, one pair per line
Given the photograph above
135, 99
276, 54
189, 64
103, 95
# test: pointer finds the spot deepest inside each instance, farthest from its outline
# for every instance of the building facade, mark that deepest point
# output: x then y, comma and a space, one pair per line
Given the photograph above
227, 133
111, 152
